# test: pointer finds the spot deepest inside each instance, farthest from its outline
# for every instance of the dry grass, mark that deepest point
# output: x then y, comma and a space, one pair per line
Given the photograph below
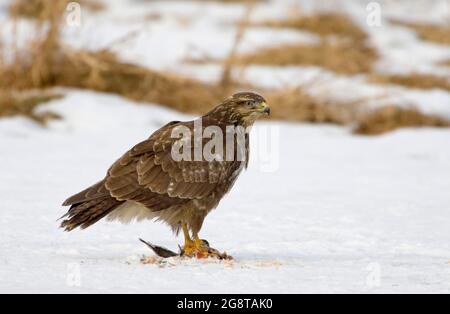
323, 24
56, 65
48, 63
228, 63
390, 118
42, 9
344, 58
446, 63
346, 53
223, 1
229, 1
294, 104
439, 34
413, 80
101, 71
234, 1
24, 104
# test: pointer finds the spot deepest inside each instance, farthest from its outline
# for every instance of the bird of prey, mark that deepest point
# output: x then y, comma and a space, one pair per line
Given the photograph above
147, 182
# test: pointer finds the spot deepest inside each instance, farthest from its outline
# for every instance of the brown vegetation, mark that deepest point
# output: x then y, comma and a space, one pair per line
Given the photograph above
344, 58
323, 24
439, 34
102, 71
294, 104
48, 63
413, 80
389, 118
224, 1
24, 104
446, 63
235, 1
228, 63
346, 53
42, 9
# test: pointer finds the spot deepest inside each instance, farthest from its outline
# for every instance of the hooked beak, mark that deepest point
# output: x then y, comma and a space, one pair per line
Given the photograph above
263, 108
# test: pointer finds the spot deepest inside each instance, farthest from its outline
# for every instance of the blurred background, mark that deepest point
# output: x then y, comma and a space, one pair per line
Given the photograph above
360, 113
374, 66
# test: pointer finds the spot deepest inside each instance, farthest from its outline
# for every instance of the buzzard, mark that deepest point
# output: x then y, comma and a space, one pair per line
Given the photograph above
151, 181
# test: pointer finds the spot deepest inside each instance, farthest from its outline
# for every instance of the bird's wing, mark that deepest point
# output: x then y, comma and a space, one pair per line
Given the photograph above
148, 174
95, 191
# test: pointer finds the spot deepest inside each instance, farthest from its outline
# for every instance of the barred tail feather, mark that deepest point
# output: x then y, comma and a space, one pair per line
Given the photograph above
85, 214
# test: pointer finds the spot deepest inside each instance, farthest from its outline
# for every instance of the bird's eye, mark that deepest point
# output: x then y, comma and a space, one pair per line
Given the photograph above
249, 104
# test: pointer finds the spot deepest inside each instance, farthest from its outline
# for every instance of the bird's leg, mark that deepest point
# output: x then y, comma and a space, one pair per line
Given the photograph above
194, 247
199, 243
189, 245
204, 250
199, 248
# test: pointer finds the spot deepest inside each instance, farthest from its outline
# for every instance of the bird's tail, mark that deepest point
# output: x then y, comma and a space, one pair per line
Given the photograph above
86, 213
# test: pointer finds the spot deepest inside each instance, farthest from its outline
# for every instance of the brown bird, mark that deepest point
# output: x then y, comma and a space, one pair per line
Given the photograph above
147, 182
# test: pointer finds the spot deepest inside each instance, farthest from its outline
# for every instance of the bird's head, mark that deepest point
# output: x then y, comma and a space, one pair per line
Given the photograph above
241, 108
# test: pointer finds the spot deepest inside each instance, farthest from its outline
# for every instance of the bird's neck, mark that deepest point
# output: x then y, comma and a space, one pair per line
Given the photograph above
224, 119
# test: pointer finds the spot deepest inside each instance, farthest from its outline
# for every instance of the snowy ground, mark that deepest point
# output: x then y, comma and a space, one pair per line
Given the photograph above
339, 213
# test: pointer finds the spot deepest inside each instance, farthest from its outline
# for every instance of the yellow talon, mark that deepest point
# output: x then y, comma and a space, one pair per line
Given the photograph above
195, 247
189, 245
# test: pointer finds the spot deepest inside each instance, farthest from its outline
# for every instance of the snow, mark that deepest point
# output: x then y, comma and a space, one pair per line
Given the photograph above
327, 212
